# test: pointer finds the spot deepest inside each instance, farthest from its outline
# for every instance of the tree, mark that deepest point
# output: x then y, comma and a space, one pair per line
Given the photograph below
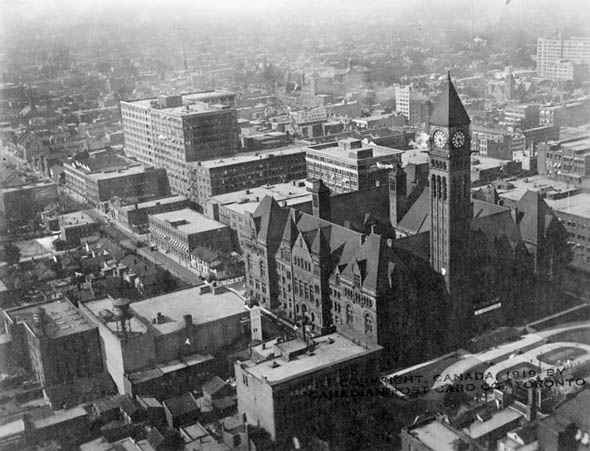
11, 254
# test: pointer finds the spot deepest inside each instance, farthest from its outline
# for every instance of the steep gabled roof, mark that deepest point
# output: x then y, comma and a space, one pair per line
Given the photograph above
270, 219
449, 110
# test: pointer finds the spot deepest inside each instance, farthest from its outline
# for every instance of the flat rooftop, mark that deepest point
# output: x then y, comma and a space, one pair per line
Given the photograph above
342, 153
576, 204
533, 183
102, 310
188, 221
112, 174
293, 193
243, 158
204, 308
60, 318
486, 163
436, 436
76, 218
330, 350
153, 203
499, 419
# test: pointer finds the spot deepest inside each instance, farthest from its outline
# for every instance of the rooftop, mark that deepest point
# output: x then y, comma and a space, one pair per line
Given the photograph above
204, 308
292, 193
436, 435
102, 309
576, 204
533, 183
182, 404
243, 158
342, 153
155, 202
60, 318
330, 350
499, 419
76, 218
111, 174
188, 221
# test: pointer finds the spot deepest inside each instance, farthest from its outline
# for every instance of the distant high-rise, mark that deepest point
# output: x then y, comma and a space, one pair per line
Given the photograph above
170, 131
412, 104
561, 58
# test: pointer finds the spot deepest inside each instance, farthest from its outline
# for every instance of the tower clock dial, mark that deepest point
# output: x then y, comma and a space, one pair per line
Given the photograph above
440, 138
458, 139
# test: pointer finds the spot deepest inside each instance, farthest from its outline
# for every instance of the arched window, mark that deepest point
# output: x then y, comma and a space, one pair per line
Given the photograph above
348, 314
368, 323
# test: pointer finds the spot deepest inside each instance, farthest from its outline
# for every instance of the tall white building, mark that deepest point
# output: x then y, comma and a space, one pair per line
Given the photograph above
559, 57
413, 104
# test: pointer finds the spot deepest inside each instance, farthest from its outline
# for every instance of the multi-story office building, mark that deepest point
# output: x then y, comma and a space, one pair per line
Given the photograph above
567, 160
350, 165
169, 132
98, 179
161, 345
289, 387
75, 226
558, 57
569, 114
413, 104
57, 344
135, 215
574, 213
522, 116
214, 177
180, 232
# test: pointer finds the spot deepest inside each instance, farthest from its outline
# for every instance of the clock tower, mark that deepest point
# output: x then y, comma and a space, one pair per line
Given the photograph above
450, 196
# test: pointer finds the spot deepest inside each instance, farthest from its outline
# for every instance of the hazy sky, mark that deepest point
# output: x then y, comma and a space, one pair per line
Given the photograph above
47, 12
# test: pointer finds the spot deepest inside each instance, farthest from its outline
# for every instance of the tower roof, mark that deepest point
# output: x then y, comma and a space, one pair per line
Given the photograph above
449, 110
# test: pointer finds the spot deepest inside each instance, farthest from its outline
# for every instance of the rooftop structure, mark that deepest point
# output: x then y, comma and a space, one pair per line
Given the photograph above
291, 361
203, 307
351, 165
187, 221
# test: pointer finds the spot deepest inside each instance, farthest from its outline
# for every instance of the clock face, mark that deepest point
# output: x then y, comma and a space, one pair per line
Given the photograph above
459, 139
440, 138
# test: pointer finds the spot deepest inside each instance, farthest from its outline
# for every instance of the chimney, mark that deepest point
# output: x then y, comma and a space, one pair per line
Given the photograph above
188, 322
363, 237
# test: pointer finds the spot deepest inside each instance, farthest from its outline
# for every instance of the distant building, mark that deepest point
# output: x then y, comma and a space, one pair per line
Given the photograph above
232, 209
214, 177
378, 121
494, 143
99, 178
572, 113
216, 265
159, 346
75, 226
566, 160
135, 215
350, 165
561, 58
413, 104
287, 387
169, 132
180, 232
573, 210
59, 346
23, 203
521, 116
